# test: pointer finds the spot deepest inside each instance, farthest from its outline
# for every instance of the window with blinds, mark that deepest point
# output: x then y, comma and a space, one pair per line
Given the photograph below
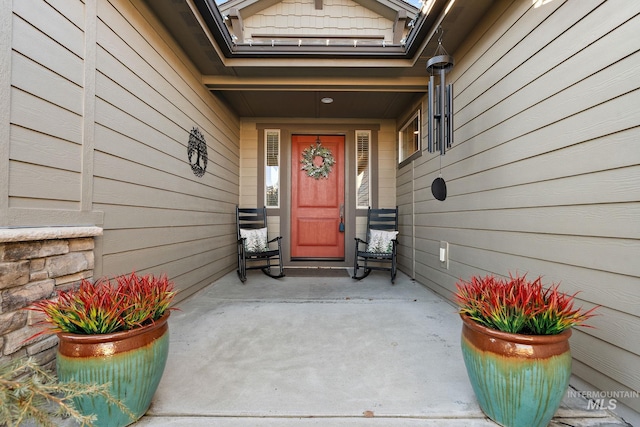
272, 168
363, 168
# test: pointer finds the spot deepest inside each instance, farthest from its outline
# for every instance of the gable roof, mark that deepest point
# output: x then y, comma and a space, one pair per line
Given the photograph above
323, 23
385, 8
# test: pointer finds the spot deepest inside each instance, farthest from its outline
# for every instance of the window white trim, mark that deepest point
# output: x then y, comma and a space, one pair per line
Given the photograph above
409, 138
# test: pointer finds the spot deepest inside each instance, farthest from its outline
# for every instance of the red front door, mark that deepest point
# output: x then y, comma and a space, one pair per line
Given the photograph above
317, 196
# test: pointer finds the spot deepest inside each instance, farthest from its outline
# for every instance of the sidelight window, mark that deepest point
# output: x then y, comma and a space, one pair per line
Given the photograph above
363, 168
272, 168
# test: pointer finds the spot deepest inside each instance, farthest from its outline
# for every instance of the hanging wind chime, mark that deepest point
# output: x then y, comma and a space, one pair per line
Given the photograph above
440, 112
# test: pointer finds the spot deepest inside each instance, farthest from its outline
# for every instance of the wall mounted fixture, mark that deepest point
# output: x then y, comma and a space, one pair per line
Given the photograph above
440, 99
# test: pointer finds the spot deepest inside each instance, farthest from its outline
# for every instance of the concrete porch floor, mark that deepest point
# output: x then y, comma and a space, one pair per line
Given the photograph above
302, 351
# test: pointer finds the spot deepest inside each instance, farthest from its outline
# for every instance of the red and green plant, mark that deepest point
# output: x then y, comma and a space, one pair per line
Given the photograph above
106, 306
520, 306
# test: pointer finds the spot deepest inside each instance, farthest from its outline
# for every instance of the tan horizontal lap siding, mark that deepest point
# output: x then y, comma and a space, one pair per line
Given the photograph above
249, 163
387, 165
544, 174
46, 97
336, 18
158, 215
405, 189
101, 103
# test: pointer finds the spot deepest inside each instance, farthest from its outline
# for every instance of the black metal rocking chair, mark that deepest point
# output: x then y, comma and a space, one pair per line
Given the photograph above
378, 252
254, 249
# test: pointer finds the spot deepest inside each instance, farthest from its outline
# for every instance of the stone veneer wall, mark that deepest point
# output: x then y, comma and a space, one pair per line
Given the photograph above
34, 264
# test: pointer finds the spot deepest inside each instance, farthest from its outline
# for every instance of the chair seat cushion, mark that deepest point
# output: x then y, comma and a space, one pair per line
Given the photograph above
255, 239
380, 241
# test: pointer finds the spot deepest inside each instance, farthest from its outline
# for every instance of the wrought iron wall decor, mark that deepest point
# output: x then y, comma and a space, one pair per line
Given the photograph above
308, 160
197, 152
440, 100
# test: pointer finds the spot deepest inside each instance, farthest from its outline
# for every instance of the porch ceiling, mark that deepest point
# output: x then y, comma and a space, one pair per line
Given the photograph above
376, 83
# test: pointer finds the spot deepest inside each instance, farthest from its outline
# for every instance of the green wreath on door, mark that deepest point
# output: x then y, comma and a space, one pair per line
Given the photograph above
313, 171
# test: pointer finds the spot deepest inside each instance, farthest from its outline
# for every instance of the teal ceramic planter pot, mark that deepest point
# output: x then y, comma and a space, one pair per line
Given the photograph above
519, 380
131, 361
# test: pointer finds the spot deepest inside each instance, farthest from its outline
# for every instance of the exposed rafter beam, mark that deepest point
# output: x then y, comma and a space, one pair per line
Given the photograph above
230, 83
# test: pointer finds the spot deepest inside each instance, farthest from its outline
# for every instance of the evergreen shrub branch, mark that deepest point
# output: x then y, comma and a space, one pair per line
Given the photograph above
30, 393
